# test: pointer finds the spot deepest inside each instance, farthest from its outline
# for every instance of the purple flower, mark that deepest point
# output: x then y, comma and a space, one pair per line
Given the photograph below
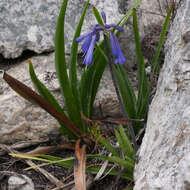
116, 50
93, 36
90, 39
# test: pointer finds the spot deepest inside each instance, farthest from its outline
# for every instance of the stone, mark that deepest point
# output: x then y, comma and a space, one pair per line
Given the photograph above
163, 158
22, 121
20, 182
31, 24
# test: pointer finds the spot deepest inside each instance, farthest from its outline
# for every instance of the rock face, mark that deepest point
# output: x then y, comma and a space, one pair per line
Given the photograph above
23, 121
30, 24
19, 119
164, 157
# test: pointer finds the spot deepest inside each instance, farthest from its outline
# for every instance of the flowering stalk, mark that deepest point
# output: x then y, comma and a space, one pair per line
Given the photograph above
131, 131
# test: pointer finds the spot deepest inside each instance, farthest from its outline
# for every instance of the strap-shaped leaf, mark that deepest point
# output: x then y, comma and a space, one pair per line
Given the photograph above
161, 41
93, 74
98, 16
69, 163
33, 97
61, 70
117, 160
130, 152
143, 85
108, 146
73, 61
126, 91
46, 94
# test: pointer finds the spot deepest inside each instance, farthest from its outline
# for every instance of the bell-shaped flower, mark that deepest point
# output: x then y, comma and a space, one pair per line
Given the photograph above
93, 36
90, 39
116, 50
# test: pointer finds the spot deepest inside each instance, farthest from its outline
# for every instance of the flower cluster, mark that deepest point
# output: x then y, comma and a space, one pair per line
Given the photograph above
93, 36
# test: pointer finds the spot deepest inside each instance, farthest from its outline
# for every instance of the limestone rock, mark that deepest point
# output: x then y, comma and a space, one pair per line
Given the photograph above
163, 159
30, 24
19, 119
23, 121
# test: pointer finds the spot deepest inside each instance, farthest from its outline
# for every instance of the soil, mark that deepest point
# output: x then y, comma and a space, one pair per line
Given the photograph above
10, 164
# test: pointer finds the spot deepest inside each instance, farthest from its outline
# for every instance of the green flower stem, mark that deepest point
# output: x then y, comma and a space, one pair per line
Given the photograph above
131, 131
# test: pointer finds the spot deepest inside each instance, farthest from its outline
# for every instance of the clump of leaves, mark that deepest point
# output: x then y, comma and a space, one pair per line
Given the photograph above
78, 96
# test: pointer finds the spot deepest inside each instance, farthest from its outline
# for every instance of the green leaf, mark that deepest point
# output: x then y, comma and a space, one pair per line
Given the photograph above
143, 86
161, 42
69, 163
129, 156
98, 16
126, 91
101, 62
46, 94
120, 141
92, 169
130, 152
85, 86
61, 70
95, 169
43, 91
129, 87
91, 80
108, 146
117, 160
73, 60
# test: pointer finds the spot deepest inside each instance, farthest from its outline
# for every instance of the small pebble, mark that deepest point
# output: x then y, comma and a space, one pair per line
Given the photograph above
20, 183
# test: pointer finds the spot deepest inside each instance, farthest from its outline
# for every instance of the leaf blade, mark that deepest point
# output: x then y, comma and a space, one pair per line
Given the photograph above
61, 70
33, 97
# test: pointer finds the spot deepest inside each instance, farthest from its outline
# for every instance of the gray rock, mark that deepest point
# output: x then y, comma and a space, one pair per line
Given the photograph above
23, 121
20, 120
30, 24
163, 159
20, 182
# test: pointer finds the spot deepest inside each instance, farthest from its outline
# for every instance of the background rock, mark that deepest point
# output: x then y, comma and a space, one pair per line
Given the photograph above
23, 121
30, 24
163, 159
20, 120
